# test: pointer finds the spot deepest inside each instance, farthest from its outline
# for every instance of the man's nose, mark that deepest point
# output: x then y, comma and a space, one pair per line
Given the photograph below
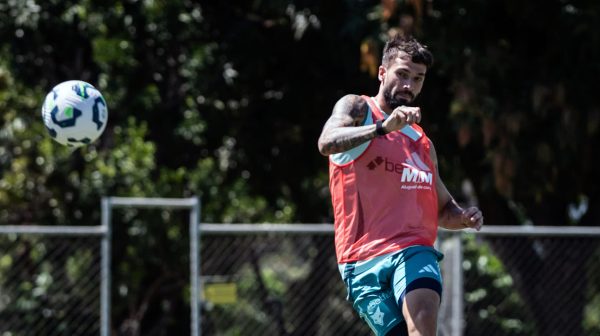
407, 83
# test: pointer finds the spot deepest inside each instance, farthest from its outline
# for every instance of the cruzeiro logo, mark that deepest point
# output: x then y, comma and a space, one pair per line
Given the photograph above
413, 170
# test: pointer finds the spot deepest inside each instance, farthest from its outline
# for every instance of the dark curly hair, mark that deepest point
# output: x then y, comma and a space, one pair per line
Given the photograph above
418, 52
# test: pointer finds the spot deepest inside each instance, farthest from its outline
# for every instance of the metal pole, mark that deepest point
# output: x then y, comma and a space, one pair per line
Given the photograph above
214, 228
105, 272
195, 268
154, 202
193, 204
457, 287
55, 230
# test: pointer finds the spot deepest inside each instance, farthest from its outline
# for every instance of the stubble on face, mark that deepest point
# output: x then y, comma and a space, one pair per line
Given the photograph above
394, 101
401, 96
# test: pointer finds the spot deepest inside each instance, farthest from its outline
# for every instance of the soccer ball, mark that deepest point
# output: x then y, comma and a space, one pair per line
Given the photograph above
75, 113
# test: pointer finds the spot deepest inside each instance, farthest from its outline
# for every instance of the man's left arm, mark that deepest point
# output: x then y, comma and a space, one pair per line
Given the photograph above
451, 215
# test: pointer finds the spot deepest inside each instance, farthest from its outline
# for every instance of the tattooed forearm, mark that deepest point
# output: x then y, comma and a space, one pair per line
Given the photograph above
341, 139
343, 131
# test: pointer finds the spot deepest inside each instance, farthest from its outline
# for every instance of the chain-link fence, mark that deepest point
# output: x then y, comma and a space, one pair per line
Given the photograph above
535, 281
283, 280
50, 281
273, 282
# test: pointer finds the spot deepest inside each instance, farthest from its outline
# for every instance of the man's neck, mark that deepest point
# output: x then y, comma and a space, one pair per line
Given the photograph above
380, 102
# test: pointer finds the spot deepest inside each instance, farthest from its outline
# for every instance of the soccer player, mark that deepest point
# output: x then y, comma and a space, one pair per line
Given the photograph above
388, 198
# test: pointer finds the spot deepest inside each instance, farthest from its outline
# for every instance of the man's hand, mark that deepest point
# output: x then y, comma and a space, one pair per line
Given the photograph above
472, 218
400, 117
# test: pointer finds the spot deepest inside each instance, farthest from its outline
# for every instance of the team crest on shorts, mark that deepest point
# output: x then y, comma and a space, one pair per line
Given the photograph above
375, 311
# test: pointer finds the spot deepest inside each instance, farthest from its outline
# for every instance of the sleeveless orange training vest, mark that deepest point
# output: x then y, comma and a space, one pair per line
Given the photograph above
385, 199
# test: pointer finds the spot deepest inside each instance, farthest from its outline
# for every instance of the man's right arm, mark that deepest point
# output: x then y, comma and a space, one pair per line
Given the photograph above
343, 130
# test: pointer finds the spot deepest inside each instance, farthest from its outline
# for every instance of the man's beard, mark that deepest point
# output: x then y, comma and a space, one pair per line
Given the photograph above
393, 102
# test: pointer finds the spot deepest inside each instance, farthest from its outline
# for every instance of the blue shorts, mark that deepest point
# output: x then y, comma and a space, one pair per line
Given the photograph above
377, 286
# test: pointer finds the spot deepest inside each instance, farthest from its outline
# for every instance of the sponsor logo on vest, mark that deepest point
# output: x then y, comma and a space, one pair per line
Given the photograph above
410, 174
375, 163
413, 171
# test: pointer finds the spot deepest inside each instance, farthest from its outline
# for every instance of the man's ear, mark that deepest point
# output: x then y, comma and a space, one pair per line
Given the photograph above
381, 73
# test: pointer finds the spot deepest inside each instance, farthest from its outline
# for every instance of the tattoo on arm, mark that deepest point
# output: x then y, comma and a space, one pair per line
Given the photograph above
343, 130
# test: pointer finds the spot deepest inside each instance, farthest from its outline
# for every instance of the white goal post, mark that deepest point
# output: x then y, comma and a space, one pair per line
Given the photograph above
193, 205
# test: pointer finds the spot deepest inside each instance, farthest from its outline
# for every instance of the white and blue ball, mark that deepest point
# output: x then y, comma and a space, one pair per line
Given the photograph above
75, 113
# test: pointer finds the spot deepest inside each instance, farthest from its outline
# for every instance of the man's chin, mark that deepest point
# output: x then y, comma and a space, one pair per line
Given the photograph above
393, 103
